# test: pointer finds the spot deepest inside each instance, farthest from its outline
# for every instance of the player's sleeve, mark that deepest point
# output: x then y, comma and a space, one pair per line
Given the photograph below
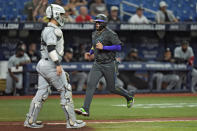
26, 57
176, 53
10, 63
191, 52
92, 48
191, 58
114, 39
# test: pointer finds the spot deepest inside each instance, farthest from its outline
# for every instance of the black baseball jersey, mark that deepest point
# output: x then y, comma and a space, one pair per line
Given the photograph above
107, 37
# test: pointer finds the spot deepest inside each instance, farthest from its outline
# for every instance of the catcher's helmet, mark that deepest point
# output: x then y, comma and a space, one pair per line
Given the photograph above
55, 11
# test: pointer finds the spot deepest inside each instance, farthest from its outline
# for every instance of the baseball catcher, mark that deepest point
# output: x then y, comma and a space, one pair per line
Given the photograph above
51, 72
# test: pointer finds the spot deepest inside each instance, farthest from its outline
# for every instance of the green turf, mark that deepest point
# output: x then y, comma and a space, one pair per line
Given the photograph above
102, 109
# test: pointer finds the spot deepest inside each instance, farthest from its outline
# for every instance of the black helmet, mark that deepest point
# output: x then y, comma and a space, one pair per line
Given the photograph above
101, 18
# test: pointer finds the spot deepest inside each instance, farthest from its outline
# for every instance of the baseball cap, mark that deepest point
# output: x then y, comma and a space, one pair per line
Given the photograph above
113, 8
167, 49
133, 50
69, 50
20, 48
140, 8
163, 4
184, 42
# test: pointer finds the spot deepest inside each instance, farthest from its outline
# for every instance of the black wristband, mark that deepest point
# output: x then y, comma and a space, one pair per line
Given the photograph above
57, 63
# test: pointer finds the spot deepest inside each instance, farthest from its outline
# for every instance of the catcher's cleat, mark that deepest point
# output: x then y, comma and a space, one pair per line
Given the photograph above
39, 122
33, 125
130, 102
77, 124
81, 111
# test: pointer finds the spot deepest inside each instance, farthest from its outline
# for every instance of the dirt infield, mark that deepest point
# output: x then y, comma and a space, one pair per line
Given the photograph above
107, 95
60, 125
46, 128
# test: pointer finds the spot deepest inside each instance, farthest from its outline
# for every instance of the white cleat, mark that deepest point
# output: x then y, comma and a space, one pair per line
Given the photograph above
33, 125
77, 124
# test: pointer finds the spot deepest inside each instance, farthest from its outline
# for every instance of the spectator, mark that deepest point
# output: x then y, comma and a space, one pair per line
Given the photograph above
72, 5
58, 2
164, 15
184, 54
129, 77
14, 82
139, 18
39, 12
78, 79
32, 53
98, 7
29, 8
83, 17
166, 76
113, 18
68, 17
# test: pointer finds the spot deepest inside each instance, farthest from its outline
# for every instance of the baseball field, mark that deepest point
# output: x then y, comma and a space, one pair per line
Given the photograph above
151, 112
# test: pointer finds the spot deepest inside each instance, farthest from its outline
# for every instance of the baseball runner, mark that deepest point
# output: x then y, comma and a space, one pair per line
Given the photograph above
184, 54
105, 44
51, 72
15, 79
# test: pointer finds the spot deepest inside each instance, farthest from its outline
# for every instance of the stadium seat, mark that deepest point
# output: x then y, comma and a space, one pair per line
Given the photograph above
185, 9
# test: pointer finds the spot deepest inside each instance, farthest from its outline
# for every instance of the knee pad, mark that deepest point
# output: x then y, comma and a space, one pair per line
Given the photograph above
66, 95
41, 95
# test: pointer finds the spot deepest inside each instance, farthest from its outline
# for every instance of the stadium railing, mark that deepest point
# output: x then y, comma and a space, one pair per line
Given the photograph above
149, 67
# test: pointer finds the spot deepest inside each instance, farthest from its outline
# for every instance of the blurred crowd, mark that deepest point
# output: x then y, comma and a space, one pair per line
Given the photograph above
130, 80
80, 11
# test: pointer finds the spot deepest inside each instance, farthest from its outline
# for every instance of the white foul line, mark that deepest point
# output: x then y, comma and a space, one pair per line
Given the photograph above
101, 122
129, 121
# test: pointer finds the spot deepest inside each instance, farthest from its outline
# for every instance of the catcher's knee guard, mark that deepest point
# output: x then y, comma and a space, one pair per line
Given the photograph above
36, 105
67, 104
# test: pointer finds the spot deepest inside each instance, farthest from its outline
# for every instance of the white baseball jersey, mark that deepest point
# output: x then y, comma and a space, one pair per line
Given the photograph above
178, 53
13, 61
